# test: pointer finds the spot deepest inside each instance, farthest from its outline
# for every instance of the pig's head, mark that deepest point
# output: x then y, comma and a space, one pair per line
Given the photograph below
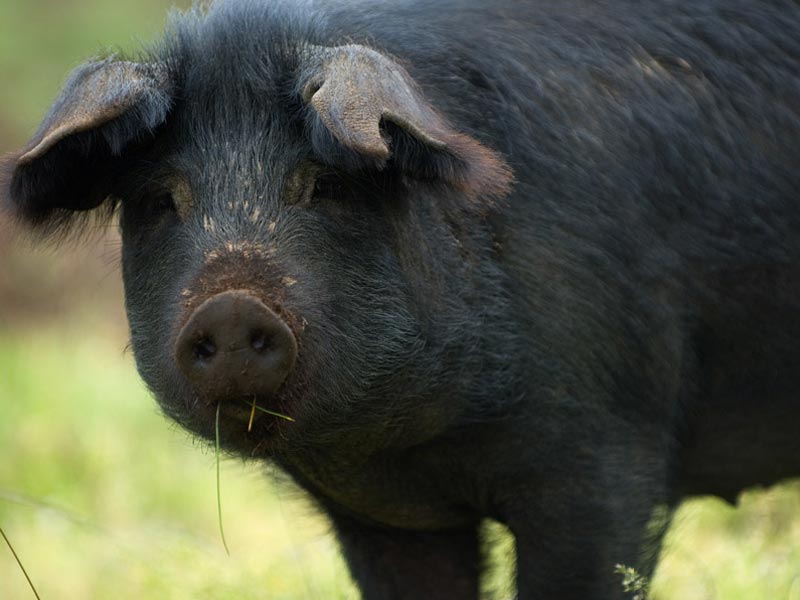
302, 229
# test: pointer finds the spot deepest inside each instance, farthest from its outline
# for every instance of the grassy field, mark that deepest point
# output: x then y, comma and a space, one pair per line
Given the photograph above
103, 498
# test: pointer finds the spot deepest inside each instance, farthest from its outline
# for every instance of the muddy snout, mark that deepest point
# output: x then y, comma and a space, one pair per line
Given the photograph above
234, 347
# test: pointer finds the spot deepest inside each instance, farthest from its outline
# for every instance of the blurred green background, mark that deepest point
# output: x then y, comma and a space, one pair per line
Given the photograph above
103, 498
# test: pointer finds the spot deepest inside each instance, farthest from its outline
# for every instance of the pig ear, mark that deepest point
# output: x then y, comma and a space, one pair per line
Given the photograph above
373, 109
69, 166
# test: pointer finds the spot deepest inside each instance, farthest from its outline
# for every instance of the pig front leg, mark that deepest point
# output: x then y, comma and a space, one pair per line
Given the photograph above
576, 525
396, 564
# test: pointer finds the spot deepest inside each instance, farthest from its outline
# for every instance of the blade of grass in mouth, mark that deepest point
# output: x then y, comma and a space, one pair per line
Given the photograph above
252, 416
219, 496
19, 562
269, 412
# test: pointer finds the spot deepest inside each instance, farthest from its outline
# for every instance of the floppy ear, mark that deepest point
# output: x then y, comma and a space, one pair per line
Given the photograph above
69, 165
377, 116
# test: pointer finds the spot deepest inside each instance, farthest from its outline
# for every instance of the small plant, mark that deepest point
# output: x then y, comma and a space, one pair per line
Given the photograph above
219, 497
255, 407
19, 562
633, 582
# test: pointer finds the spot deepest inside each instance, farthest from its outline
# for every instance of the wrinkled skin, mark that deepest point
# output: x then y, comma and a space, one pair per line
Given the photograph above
570, 352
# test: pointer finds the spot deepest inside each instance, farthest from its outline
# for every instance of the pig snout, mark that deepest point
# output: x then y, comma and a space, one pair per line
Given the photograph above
233, 346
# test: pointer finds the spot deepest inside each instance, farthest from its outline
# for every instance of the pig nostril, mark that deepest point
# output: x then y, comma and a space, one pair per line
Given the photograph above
259, 341
205, 349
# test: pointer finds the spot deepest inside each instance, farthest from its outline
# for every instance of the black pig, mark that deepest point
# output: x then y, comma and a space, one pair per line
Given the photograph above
530, 261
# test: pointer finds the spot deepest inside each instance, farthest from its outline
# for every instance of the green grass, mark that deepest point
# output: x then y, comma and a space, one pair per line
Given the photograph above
751, 552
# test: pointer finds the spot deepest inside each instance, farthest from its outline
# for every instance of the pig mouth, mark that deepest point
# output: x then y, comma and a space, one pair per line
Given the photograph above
248, 412
245, 415
242, 420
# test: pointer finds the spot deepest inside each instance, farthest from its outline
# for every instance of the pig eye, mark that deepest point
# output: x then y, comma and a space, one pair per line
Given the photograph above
157, 209
328, 186
147, 214
312, 183
163, 203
